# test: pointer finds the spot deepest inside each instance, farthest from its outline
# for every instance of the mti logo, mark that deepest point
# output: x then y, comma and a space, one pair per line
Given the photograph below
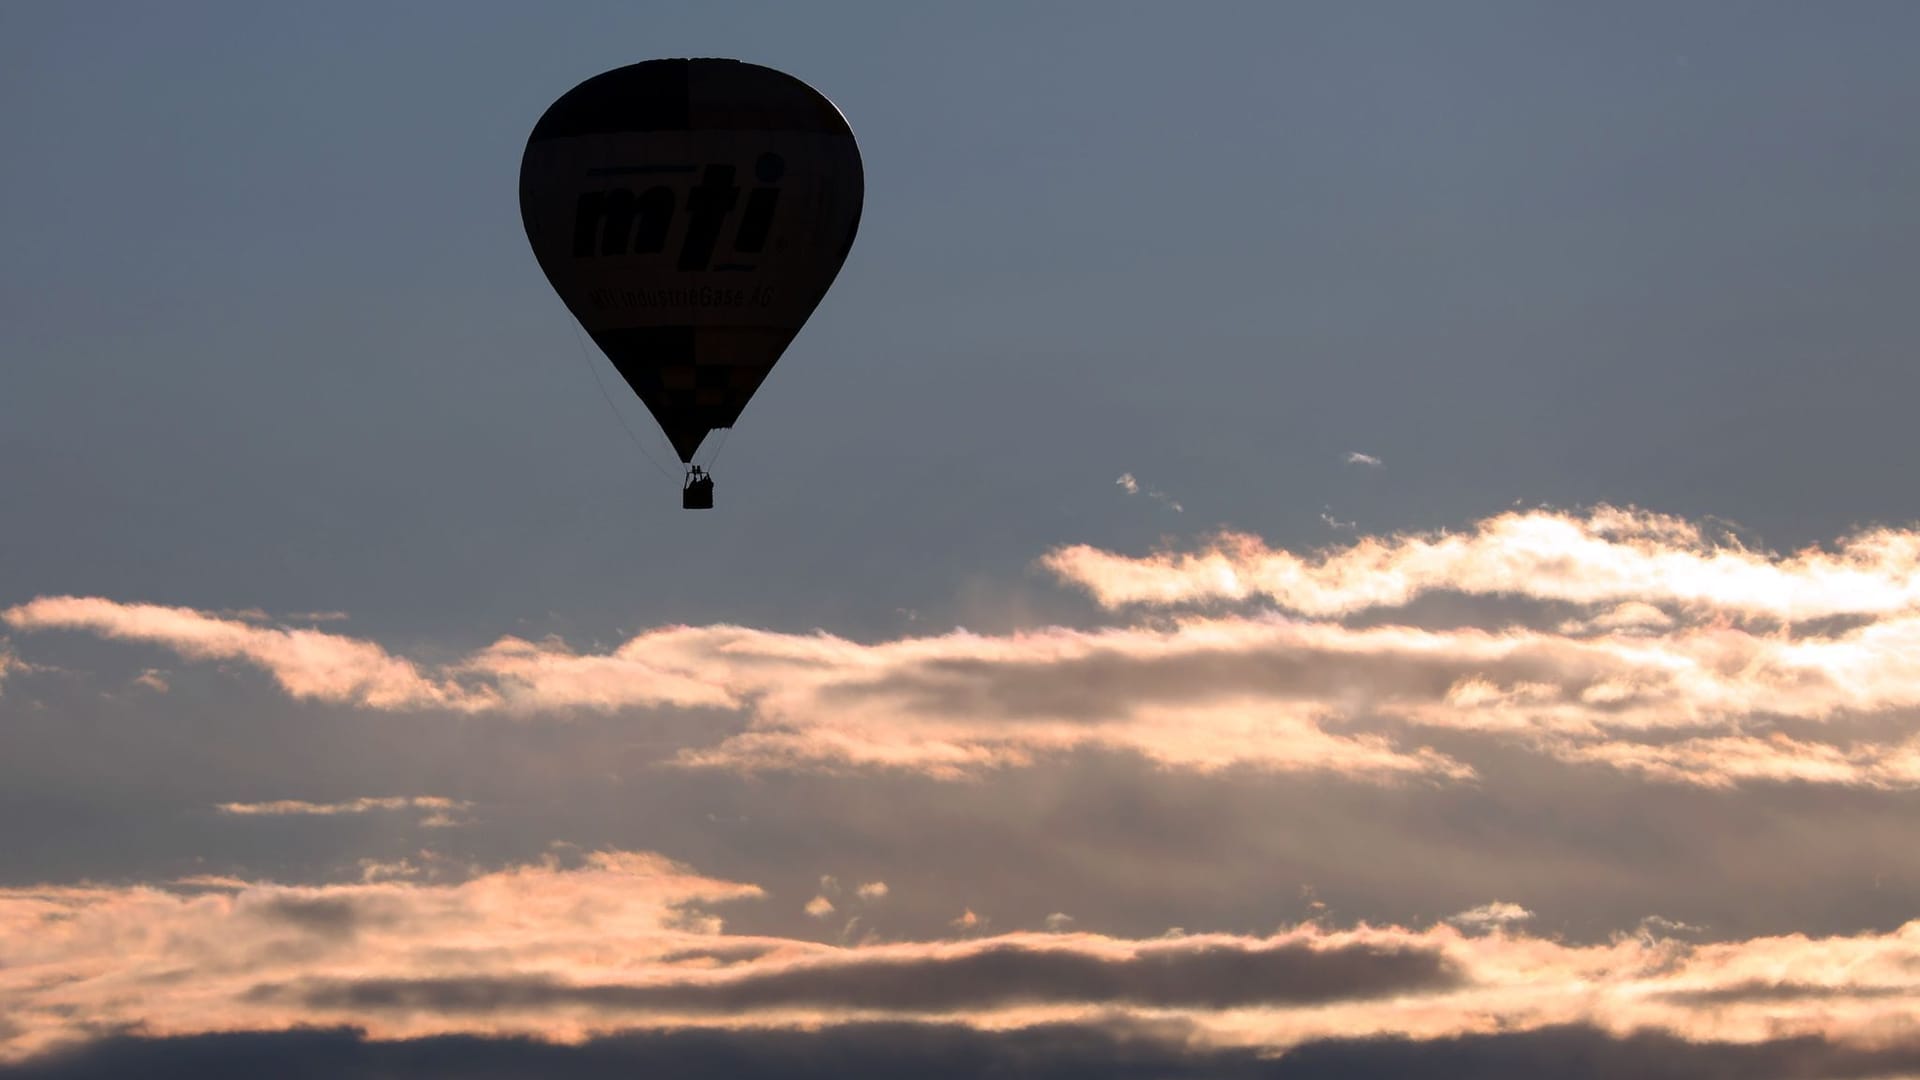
619, 221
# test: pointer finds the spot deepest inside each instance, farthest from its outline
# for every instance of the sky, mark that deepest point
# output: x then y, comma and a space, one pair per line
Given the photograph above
1309, 540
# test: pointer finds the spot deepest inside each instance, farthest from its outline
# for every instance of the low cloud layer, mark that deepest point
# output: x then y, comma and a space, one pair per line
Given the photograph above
1064, 1051
563, 949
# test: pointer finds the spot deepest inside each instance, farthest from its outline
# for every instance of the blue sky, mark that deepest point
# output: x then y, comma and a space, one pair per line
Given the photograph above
279, 362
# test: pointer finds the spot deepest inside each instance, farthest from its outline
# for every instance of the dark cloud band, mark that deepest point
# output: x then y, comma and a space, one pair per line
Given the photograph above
1210, 977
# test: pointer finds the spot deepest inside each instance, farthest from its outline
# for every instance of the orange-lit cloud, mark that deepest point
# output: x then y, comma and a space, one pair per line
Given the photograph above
1132, 486
1494, 914
1637, 643
175, 959
630, 939
1608, 556
306, 663
351, 806
438, 812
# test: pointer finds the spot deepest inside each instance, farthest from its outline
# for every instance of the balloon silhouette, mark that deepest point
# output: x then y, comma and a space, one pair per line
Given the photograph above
691, 214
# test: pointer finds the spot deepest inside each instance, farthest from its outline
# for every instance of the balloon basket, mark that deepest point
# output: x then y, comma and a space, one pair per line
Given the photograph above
697, 494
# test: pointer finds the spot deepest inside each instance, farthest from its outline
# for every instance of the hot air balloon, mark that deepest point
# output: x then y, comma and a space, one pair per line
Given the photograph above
691, 214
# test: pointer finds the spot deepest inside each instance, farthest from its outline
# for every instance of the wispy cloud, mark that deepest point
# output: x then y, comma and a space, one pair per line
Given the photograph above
1132, 486
306, 663
312, 664
209, 881
1490, 915
439, 811
1355, 457
261, 615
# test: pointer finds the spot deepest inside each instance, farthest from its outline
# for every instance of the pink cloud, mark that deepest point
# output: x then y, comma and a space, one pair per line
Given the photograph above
1668, 669
562, 950
351, 806
306, 663
1608, 556
438, 812
91, 954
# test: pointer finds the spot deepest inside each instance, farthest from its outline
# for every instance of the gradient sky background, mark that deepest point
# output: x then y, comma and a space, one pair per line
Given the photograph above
295, 434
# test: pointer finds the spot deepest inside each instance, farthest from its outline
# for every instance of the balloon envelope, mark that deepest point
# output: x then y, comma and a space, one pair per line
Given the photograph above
691, 214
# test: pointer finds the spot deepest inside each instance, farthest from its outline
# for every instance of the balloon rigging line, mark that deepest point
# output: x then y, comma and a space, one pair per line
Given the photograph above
725, 433
594, 369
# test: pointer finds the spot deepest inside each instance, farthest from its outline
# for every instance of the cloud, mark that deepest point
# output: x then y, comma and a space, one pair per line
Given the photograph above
930, 1051
562, 950
1655, 926
1621, 640
1490, 916
306, 663
81, 958
1606, 557
209, 881
386, 870
872, 891
819, 907
1132, 486
12, 666
817, 701
1580, 1052
285, 807
261, 615
935, 1051
1355, 457
922, 980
